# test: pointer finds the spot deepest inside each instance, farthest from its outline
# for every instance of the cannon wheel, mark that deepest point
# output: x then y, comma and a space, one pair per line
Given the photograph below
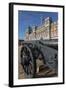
26, 55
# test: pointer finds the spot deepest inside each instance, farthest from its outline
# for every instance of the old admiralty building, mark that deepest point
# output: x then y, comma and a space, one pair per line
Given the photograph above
47, 30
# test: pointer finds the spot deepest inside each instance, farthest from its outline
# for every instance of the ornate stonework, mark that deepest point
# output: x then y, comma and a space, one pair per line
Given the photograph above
48, 30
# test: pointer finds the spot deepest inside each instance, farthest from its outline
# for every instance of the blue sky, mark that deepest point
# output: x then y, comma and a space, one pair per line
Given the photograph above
31, 18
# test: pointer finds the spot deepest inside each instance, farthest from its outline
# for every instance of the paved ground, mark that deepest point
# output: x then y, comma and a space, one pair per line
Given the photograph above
21, 72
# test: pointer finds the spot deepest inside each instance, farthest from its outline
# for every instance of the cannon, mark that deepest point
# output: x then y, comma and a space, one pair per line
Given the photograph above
42, 52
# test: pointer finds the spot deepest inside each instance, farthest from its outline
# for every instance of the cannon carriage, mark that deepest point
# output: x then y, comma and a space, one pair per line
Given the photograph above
39, 58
